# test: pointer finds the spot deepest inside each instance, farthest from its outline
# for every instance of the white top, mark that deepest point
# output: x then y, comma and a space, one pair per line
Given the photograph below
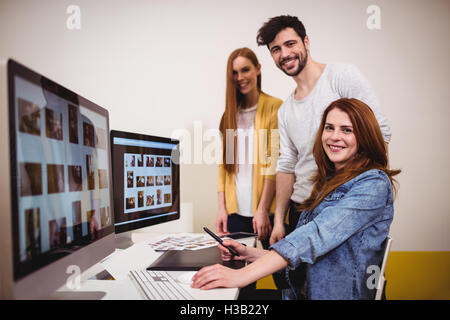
244, 160
298, 121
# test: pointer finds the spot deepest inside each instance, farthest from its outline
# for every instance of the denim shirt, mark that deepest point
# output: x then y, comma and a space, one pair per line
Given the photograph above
336, 242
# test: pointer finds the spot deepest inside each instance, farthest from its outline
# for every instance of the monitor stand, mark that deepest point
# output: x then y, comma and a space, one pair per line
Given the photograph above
123, 240
77, 295
103, 275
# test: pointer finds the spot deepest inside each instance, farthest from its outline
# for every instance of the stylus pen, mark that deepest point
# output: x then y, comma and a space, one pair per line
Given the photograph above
220, 241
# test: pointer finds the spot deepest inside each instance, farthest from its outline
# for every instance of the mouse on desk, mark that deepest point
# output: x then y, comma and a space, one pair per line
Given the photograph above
186, 277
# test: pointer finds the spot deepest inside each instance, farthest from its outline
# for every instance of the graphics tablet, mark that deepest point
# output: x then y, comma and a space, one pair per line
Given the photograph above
192, 260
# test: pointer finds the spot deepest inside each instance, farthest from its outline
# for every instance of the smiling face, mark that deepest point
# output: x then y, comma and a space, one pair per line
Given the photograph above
338, 138
289, 52
245, 75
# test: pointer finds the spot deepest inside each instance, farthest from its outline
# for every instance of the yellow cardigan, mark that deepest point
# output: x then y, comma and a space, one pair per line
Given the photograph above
265, 151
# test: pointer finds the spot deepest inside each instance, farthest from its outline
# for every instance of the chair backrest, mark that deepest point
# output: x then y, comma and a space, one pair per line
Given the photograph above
381, 278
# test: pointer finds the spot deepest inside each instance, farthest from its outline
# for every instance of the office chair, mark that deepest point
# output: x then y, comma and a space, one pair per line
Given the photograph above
381, 285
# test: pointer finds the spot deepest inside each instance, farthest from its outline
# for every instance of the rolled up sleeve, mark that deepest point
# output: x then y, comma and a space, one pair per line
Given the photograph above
288, 152
363, 205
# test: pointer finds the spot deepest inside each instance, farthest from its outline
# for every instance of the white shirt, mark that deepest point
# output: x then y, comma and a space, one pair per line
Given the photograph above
244, 160
298, 121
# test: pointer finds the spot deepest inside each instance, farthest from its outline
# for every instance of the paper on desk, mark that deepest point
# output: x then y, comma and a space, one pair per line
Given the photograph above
182, 241
137, 257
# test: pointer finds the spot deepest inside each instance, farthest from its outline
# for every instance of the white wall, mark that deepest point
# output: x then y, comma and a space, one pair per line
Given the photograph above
159, 65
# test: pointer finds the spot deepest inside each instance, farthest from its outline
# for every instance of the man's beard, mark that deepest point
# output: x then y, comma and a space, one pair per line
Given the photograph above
301, 64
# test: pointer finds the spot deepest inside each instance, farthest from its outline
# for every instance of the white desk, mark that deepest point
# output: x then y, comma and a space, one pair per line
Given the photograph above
138, 256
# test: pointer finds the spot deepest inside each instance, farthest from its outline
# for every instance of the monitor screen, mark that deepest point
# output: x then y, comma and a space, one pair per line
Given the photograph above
146, 178
60, 171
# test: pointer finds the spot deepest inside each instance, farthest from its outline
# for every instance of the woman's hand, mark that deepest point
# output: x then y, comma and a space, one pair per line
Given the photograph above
222, 222
221, 276
239, 247
218, 276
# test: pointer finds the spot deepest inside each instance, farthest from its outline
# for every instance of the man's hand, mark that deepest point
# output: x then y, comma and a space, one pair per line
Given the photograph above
278, 233
285, 186
261, 224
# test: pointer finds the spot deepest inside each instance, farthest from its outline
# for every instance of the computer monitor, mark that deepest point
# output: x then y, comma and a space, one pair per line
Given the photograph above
59, 200
146, 178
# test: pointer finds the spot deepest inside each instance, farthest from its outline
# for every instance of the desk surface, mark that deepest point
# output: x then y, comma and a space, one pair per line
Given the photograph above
138, 256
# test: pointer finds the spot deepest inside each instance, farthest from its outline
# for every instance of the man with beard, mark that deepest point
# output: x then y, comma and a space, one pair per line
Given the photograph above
318, 85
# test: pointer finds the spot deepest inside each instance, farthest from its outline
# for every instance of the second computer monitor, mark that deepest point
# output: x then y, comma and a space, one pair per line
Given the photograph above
146, 178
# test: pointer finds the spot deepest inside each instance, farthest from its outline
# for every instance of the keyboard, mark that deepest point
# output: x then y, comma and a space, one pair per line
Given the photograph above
159, 285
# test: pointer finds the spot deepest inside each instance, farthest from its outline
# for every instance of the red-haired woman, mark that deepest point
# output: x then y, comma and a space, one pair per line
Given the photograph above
342, 225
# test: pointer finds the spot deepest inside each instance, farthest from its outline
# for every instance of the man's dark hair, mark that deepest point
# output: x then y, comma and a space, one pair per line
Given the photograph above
271, 28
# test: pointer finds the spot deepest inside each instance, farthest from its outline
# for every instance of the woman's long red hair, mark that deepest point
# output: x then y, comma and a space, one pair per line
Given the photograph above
371, 154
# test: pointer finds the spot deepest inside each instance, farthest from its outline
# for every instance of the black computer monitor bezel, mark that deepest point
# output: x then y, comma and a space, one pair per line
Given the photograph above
119, 197
22, 269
